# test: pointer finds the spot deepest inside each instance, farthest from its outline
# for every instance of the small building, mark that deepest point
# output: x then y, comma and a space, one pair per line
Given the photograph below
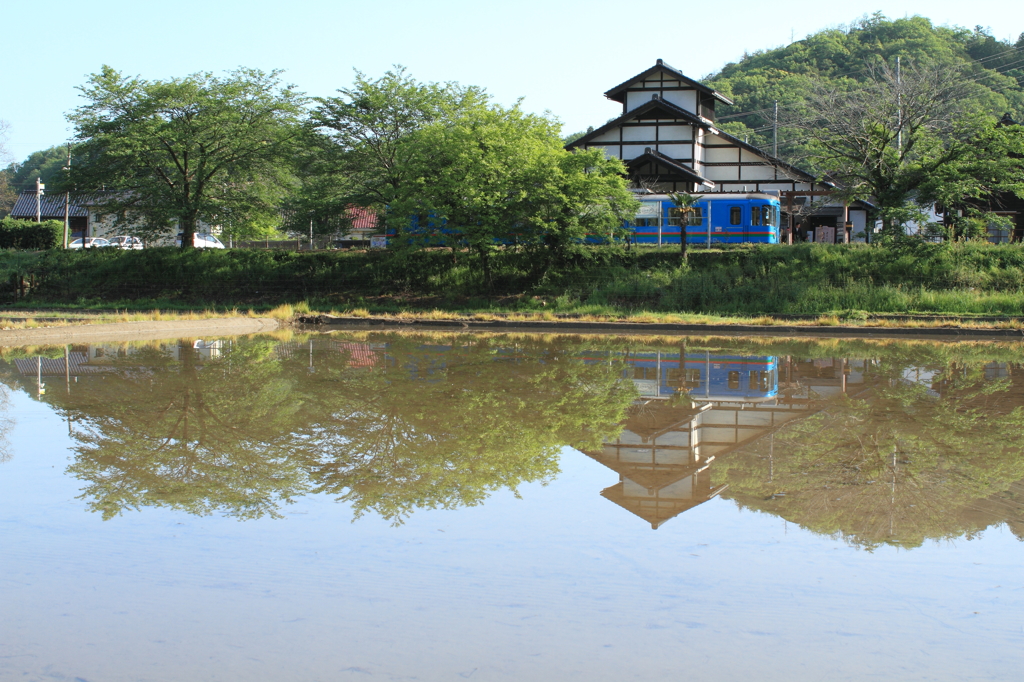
86, 218
51, 207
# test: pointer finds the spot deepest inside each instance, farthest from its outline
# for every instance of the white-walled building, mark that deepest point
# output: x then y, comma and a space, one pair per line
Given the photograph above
669, 142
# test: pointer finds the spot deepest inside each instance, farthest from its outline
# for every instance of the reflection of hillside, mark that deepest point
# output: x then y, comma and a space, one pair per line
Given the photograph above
928, 451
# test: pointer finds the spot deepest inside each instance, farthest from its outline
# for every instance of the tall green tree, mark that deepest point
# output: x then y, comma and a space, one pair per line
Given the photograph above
886, 139
496, 177
7, 192
355, 151
975, 185
202, 147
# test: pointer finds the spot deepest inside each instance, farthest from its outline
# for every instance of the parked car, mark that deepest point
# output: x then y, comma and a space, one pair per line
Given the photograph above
126, 242
202, 240
89, 243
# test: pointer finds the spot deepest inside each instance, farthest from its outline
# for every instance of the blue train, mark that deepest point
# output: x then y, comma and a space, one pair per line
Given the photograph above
719, 219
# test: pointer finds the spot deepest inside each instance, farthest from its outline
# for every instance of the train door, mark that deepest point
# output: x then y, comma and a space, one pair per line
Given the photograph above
738, 227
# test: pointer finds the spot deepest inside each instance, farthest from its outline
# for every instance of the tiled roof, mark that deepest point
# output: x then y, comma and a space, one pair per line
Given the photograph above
614, 93
362, 218
801, 175
50, 205
652, 156
672, 110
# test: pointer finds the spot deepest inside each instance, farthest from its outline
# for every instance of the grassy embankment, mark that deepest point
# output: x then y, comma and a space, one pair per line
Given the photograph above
826, 284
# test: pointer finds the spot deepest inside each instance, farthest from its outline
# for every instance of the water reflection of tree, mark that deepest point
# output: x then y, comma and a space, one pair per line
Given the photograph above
6, 424
253, 428
444, 429
199, 435
906, 462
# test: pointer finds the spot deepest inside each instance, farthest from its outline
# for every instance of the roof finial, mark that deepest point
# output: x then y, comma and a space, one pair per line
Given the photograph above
660, 62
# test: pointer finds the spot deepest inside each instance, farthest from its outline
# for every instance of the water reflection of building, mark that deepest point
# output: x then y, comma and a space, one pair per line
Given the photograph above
692, 412
98, 358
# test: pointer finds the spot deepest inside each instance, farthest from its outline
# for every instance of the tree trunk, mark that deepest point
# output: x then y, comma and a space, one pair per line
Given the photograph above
486, 262
188, 231
683, 221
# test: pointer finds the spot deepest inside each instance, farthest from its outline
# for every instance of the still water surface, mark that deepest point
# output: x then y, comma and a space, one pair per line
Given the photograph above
446, 507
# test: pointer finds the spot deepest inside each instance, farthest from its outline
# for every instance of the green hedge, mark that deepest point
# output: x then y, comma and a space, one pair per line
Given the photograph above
805, 278
26, 234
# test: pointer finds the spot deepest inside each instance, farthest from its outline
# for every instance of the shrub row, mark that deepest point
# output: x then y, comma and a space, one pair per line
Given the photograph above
25, 234
806, 278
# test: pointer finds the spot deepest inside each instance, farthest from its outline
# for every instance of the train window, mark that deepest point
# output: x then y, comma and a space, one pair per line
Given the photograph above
767, 215
752, 385
692, 378
734, 380
696, 216
755, 216
735, 215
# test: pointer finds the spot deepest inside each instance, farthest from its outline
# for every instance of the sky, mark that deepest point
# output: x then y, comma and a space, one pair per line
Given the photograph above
557, 55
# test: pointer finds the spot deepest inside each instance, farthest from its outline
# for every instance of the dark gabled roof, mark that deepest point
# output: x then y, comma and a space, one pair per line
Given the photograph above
804, 175
652, 156
618, 92
50, 206
664, 106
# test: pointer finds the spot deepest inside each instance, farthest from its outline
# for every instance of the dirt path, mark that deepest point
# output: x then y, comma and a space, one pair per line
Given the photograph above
329, 322
137, 331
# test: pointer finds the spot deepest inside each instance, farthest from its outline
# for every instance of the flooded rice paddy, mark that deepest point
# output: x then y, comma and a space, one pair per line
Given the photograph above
494, 507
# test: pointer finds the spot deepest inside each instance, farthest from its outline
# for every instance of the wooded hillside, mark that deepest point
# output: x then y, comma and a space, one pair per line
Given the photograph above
845, 57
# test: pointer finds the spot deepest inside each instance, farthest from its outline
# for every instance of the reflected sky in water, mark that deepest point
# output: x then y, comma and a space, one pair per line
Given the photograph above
481, 507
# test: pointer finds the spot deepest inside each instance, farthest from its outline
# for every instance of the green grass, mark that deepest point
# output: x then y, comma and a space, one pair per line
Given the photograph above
808, 279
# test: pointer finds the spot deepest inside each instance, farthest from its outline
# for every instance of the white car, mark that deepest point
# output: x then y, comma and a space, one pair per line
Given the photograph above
202, 241
89, 243
126, 242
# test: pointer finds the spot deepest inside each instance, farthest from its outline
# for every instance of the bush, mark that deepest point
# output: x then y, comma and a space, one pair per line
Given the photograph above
25, 234
801, 279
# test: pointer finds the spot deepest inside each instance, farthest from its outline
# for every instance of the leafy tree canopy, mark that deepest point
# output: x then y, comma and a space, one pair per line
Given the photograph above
202, 147
494, 176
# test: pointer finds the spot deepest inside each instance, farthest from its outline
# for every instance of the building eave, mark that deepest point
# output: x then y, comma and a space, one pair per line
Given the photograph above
651, 156
668, 107
617, 93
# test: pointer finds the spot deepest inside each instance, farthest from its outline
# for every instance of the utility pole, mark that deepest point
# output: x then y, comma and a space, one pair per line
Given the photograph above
899, 106
67, 201
775, 131
39, 194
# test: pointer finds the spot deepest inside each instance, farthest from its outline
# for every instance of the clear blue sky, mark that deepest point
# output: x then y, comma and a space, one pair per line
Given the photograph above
559, 55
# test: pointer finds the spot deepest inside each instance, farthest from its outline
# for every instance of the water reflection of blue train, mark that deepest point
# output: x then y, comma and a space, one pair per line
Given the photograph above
704, 376
657, 374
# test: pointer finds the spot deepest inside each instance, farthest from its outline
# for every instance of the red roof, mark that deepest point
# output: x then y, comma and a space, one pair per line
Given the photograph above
362, 218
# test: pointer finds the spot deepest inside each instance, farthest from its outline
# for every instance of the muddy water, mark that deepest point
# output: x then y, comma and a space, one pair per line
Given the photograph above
441, 507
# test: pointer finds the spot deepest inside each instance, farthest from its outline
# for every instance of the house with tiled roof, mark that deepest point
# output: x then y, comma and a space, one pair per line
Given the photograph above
669, 141
51, 207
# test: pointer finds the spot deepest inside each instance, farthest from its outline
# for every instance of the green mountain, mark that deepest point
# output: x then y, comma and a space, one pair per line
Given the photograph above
845, 57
